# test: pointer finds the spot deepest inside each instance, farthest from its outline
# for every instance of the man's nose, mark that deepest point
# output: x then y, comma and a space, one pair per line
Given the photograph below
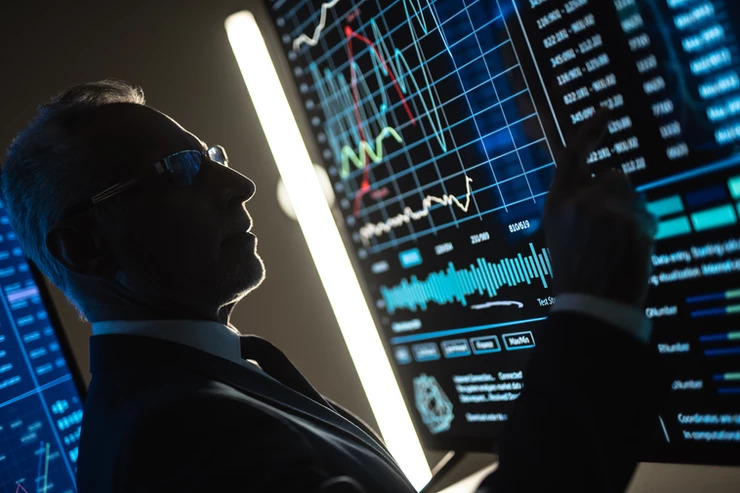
234, 189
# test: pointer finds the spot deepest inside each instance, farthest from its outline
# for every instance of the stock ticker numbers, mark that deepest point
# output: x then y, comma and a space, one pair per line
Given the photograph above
440, 121
667, 70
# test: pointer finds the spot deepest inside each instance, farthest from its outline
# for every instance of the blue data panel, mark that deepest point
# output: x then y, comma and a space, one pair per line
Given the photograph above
40, 406
440, 123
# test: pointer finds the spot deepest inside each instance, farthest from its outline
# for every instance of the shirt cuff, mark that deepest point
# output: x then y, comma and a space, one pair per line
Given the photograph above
625, 317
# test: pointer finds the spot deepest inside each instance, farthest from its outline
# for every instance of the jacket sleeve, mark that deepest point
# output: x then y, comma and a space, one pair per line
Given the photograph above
589, 401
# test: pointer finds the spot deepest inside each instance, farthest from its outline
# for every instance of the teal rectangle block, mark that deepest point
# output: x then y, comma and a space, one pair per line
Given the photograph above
716, 217
410, 258
673, 227
734, 185
665, 207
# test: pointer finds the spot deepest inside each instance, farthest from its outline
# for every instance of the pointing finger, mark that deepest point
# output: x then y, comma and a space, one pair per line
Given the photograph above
573, 171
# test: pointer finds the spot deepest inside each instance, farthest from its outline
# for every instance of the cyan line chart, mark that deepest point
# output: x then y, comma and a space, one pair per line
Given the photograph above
42, 478
454, 285
385, 86
366, 111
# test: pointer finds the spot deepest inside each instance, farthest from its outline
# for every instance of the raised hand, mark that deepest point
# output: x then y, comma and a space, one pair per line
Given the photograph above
598, 229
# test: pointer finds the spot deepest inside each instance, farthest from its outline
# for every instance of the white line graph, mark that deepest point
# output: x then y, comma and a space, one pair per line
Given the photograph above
491, 304
314, 40
368, 231
385, 76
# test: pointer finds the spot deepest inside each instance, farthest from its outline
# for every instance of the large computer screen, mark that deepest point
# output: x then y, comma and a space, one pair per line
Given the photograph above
40, 392
440, 123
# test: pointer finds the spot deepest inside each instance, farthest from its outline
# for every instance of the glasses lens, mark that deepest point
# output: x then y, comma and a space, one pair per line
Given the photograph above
218, 154
184, 166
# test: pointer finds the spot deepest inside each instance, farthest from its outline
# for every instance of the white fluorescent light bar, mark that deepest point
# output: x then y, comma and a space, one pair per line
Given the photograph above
326, 246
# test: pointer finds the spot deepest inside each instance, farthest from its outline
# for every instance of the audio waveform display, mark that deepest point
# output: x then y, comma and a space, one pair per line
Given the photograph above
482, 278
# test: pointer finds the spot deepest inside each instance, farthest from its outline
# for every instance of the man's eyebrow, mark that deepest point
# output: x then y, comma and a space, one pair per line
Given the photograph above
195, 145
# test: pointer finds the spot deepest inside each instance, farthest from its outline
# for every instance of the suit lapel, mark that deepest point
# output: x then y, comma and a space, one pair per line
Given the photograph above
121, 352
265, 388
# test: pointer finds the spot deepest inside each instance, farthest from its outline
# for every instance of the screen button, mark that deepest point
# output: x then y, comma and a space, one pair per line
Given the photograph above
410, 258
483, 345
518, 340
456, 348
426, 351
402, 354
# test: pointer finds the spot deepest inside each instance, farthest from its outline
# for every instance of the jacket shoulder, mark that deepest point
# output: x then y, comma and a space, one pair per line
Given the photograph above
183, 428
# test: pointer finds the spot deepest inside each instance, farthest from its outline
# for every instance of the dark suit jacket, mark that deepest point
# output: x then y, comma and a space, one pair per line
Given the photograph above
162, 417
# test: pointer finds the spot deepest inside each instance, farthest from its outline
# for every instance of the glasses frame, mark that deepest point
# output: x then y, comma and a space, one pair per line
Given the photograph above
216, 154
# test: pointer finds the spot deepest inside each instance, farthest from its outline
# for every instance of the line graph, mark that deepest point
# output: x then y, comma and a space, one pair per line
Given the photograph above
336, 92
46, 468
314, 39
380, 66
490, 304
42, 481
386, 63
416, 98
370, 230
366, 151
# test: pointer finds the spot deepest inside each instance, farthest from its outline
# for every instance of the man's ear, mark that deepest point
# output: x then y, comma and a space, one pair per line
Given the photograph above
81, 249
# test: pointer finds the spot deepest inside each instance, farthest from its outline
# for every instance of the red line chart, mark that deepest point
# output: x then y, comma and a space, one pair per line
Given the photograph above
351, 35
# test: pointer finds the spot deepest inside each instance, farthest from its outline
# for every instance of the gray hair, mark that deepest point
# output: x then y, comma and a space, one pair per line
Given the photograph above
48, 169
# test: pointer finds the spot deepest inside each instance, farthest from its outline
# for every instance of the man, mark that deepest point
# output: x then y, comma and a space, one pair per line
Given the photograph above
144, 228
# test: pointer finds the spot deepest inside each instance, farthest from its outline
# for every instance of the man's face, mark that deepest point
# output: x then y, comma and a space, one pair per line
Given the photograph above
182, 246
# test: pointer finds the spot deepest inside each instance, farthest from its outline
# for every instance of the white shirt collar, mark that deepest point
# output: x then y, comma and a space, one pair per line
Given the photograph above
209, 336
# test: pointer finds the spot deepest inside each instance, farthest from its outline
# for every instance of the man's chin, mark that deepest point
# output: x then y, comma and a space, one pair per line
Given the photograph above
257, 275
247, 278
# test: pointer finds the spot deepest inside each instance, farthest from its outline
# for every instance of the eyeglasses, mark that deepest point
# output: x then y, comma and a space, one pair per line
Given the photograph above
179, 168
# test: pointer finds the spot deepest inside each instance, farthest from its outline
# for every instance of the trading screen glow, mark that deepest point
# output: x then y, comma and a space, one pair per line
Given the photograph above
440, 123
40, 406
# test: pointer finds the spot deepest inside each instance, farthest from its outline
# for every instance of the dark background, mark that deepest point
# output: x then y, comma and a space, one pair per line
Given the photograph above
178, 52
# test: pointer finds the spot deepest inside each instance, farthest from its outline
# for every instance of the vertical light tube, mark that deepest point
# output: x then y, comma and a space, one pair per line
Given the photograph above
326, 246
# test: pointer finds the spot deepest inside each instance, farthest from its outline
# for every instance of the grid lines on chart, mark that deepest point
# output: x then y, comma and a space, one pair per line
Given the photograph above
489, 123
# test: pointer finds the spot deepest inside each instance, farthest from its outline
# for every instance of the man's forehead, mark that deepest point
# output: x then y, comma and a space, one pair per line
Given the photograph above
134, 131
